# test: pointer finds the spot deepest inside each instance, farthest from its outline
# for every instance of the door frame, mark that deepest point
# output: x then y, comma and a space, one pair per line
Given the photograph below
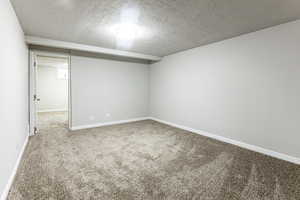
32, 85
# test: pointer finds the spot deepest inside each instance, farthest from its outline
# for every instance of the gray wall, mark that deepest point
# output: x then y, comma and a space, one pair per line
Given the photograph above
107, 90
14, 91
246, 88
52, 91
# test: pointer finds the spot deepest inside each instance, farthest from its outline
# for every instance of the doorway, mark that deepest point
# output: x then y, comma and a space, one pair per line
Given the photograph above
50, 91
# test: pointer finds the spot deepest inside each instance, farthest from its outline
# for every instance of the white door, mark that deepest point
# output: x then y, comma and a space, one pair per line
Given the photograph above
33, 98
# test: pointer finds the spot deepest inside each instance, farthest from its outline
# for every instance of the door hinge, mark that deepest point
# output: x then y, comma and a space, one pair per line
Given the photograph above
35, 130
34, 63
35, 98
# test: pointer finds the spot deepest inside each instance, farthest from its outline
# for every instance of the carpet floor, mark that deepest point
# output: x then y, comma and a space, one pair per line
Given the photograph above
145, 160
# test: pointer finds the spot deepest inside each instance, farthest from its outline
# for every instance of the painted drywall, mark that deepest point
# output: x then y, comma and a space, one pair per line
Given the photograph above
14, 91
52, 91
245, 89
107, 90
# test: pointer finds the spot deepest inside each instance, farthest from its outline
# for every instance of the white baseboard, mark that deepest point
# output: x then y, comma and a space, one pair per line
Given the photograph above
108, 123
12, 176
53, 110
234, 142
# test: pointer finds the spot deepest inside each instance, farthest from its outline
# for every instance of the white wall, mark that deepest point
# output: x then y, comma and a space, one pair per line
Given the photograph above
14, 91
246, 88
53, 92
101, 87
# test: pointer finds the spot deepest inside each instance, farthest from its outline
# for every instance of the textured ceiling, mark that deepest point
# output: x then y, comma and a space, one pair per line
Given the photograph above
171, 25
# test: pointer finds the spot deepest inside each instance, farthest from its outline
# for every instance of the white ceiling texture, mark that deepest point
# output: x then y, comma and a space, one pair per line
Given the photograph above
168, 26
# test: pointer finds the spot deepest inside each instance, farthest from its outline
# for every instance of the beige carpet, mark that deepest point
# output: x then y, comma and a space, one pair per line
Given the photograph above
145, 160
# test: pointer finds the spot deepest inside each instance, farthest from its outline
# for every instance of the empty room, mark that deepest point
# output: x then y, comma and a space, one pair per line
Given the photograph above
51, 91
149, 100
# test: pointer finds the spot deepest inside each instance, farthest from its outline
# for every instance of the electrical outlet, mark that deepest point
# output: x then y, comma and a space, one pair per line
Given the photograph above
107, 115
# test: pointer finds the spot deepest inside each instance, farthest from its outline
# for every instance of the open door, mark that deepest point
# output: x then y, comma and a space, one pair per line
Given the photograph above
38, 61
33, 99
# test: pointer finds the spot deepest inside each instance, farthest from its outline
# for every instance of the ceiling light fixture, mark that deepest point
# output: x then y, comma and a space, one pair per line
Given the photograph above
128, 29
126, 34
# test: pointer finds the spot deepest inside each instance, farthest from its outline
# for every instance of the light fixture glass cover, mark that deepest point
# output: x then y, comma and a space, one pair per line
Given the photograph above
128, 30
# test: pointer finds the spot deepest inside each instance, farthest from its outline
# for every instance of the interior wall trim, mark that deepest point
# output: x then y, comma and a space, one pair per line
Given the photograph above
108, 123
14, 172
87, 48
251, 147
53, 110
